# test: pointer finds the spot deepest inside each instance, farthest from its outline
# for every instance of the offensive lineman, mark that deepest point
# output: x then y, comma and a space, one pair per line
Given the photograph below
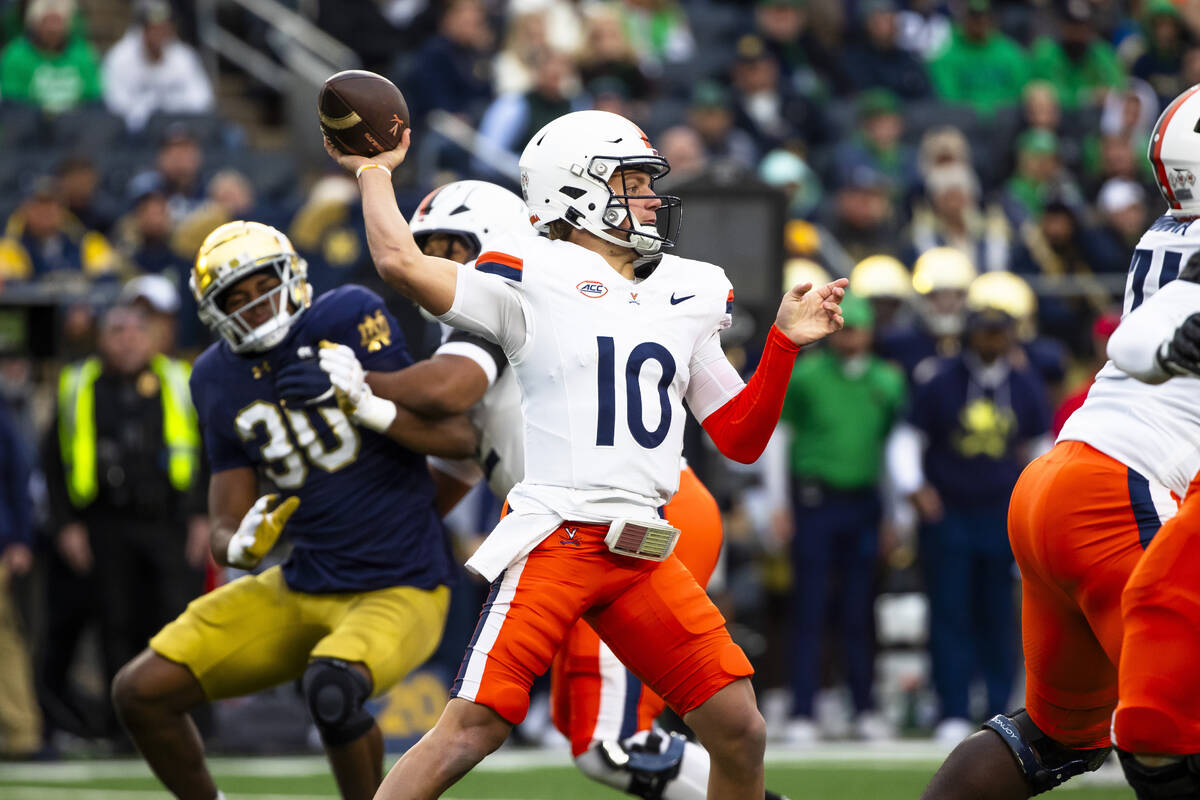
362, 599
1080, 519
583, 536
597, 703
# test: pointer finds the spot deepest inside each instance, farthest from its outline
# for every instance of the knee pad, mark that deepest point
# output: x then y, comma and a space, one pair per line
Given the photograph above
1179, 779
1045, 762
649, 769
335, 693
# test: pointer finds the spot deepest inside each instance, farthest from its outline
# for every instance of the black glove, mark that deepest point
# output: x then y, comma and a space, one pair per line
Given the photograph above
303, 383
1181, 355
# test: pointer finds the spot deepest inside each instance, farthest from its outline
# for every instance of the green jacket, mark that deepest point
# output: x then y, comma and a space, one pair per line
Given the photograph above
52, 81
1076, 81
983, 75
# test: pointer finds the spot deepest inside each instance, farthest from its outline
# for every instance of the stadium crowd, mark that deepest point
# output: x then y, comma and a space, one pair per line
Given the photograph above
977, 169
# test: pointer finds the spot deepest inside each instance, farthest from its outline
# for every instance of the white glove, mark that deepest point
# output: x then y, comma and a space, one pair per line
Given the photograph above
258, 531
354, 395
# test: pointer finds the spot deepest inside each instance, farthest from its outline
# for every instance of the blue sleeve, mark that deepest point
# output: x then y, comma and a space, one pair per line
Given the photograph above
922, 411
1036, 419
16, 507
370, 330
223, 448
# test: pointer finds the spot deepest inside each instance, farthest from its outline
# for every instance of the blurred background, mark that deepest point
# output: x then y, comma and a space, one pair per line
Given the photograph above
977, 169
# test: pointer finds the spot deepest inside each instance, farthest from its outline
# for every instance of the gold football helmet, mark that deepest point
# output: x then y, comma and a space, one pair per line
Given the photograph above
880, 276
235, 251
1009, 293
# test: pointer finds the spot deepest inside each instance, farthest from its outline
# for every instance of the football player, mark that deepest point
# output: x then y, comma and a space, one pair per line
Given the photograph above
597, 703
605, 336
1085, 523
362, 598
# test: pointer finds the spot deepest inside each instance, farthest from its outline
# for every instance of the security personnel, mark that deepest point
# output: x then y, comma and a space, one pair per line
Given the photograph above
122, 472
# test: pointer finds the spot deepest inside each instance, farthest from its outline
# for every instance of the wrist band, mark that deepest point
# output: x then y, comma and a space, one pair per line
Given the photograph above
358, 172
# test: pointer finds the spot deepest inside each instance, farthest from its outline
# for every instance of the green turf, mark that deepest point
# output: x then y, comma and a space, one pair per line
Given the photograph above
808, 781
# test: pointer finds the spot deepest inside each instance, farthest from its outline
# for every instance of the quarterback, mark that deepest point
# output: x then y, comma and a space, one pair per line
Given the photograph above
596, 702
606, 337
362, 598
1085, 520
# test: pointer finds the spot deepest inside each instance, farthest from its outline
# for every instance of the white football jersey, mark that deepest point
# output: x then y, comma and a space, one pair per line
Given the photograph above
1155, 429
603, 364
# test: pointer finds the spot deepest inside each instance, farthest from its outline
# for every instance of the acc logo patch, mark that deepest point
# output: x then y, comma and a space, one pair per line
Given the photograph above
592, 288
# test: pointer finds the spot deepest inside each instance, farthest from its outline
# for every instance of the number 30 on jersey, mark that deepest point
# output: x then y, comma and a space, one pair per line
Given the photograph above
287, 461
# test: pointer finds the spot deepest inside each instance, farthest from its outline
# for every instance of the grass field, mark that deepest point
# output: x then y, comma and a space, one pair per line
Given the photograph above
858, 772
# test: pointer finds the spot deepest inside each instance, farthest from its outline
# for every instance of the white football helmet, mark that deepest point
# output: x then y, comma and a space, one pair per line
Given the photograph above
235, 251
473, 210
565, 170
1175, 153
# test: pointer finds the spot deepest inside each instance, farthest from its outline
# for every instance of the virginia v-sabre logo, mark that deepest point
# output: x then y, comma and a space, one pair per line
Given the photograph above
569, 536
592, 288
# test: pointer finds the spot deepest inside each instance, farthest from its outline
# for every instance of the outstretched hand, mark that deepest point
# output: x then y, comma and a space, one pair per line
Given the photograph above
389, 158
807, 314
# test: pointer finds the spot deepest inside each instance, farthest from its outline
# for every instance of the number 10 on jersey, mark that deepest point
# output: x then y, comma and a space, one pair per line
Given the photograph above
606, 383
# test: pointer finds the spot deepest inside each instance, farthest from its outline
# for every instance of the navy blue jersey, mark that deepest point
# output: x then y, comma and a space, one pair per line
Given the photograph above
366, 518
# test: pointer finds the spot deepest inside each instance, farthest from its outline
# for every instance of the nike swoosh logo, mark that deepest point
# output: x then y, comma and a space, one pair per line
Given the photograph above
677, 300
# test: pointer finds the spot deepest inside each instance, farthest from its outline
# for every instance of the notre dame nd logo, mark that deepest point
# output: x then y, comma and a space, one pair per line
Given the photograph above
985, 429
375, 331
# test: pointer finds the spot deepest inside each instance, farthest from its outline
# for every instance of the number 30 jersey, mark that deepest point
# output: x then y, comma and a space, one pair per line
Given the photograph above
366, 518
603, 364
1155, 429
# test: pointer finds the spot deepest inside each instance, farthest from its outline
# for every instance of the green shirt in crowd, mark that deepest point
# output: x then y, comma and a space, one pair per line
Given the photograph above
1077, 81
983, 75
840, 418
52, 81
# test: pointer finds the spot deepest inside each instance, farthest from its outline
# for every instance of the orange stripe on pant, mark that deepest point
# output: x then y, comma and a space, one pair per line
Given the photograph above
654, 616
1159, 710
592, 697
1076, 538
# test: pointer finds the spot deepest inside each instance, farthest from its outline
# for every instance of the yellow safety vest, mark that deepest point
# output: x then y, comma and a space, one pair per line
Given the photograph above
77, 425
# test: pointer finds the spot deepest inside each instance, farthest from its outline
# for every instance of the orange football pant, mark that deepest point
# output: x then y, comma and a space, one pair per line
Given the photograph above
593, 696
1078, 523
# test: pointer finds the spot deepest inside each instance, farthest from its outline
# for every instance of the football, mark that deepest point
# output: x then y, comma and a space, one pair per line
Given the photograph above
361, 112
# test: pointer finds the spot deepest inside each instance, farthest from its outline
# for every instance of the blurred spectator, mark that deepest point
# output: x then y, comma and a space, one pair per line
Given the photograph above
127, 495
77, 182
612, 95
878, 141
452, 70
179, 164
1056, 253
1123, 220
923, 28
979, 67
887, 286
972, 427
1161, 64
711, 115
785, 170
150, 70
806, 65
940, 147
683, 149
514, 68
41, 240
659, 31
765, 106
230, 196
940, 278
20, 717
1102, 329
143, 236
1038, 177
1040, 107
607, 52
158, 299
1117, 156
863, 215
49, 66
841, 404
950, 215
876, 61
1082, 66
512, 119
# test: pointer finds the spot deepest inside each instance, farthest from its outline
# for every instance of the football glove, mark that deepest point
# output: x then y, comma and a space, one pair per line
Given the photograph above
303, 382
349, 383
1181, 354
259, 530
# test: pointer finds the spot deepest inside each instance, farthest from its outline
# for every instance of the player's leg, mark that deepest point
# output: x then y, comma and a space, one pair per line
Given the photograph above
666, 606
524, 622
1157, 723
375, 639
236, 640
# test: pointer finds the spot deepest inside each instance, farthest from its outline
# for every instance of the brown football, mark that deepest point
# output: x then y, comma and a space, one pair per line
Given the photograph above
361, 112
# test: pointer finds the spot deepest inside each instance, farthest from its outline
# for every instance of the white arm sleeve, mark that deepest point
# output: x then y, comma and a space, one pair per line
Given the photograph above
714, 381
463, 470
1135, 344
904, 451
475, 353
490, 307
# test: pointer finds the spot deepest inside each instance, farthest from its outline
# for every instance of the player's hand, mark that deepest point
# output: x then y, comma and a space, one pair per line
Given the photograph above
1181, 355
303, 383
807, 314
259, 530
389, 159
928, 504
354, 396
75, 548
